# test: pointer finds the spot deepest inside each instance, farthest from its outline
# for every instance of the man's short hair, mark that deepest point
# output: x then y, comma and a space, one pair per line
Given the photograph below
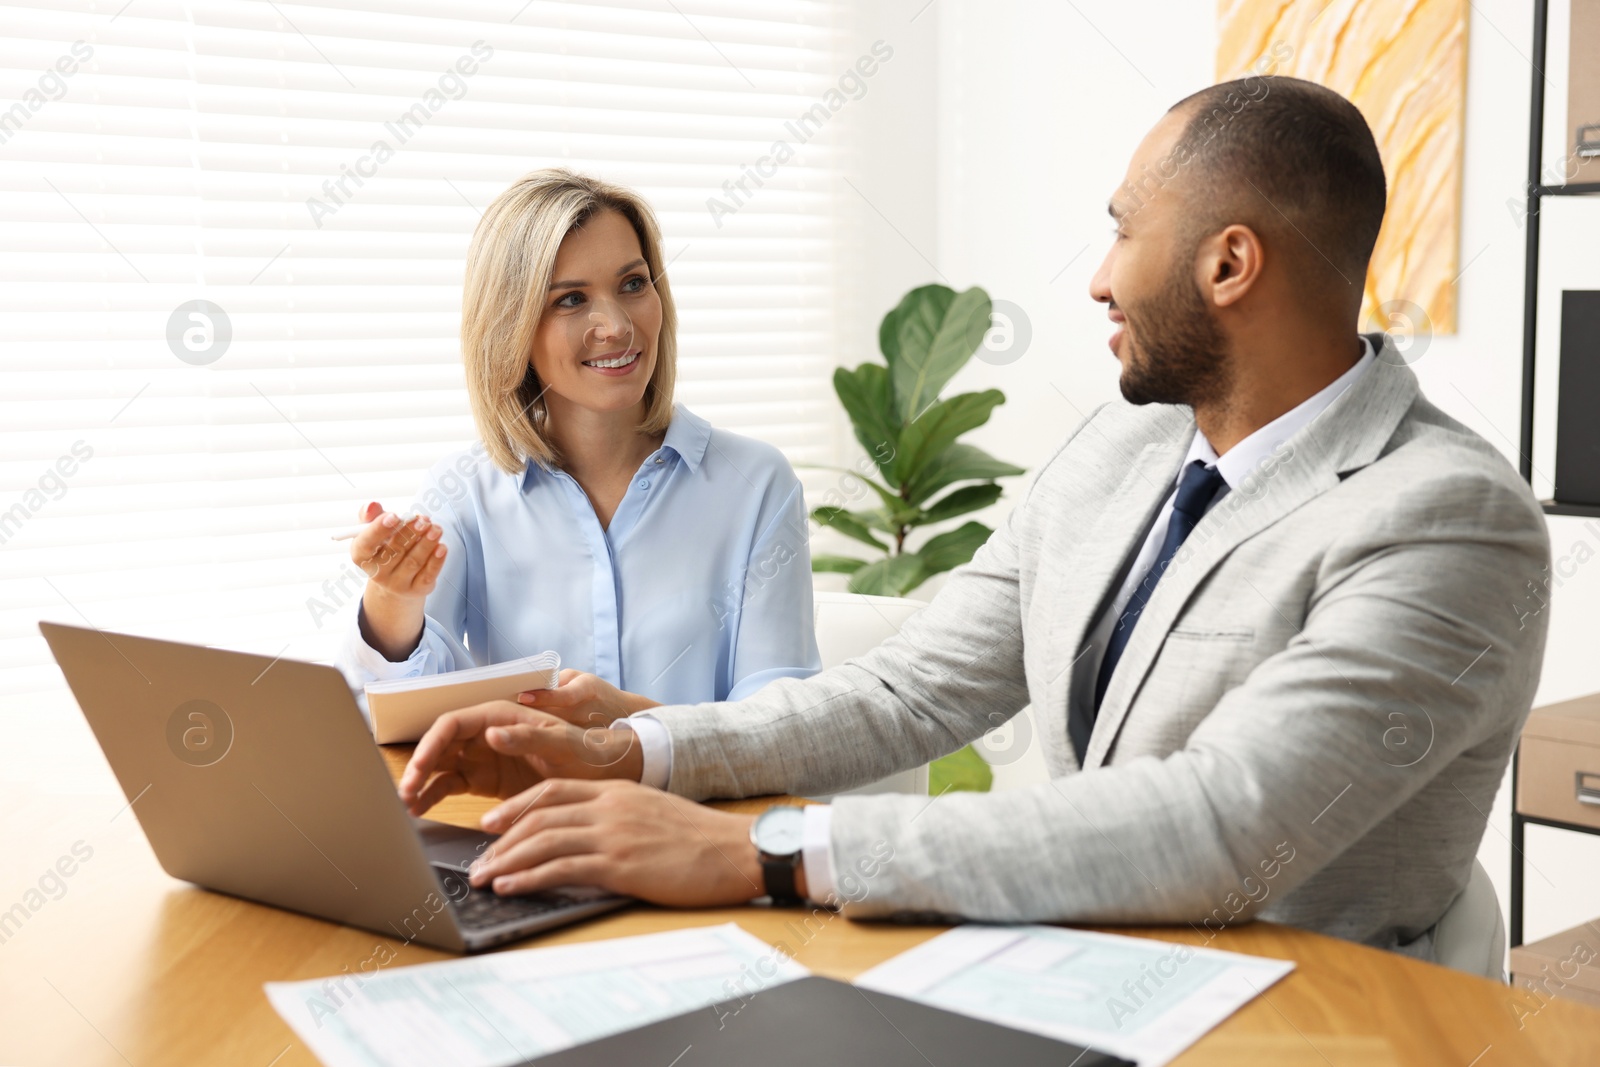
1281, 149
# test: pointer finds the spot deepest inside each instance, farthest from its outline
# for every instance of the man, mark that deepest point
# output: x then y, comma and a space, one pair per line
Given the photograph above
1270, 613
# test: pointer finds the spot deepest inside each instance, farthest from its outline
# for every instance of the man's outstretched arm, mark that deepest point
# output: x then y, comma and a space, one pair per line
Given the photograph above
952, 673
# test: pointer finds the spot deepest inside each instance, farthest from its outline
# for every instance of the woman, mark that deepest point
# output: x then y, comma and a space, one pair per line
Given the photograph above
665, 560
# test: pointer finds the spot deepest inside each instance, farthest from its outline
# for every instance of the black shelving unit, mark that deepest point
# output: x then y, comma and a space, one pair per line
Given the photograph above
1537, 194
1584, 511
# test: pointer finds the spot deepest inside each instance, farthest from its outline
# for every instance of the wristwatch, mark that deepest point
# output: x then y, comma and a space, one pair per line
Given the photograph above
776, 833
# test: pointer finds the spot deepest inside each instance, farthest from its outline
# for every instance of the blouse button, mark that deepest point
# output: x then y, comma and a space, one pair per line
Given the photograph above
643, 484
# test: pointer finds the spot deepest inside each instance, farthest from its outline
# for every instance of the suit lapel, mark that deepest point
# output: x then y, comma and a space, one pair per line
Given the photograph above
1349, 434
1086, 576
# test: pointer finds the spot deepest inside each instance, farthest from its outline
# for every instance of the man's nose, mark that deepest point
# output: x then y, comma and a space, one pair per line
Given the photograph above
1100, 284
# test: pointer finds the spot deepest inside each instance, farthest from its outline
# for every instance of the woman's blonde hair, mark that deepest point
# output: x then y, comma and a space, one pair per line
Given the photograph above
509, 265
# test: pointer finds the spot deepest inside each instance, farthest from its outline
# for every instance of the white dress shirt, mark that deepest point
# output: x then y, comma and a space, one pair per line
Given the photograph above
1239, 461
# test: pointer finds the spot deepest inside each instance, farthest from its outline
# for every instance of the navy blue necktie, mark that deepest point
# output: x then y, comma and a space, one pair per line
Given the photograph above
1196, 488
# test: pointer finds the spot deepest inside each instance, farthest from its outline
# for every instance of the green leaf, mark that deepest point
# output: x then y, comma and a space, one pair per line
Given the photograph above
953, 548
895, 576
937, 428
967, 498
958, 463
876, 519
896, 510
836, 564
963, 771
892, 503
869, 401
889, 329
937, 335
847, 524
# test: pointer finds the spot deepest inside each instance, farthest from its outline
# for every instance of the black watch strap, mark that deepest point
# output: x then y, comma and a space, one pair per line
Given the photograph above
778, 874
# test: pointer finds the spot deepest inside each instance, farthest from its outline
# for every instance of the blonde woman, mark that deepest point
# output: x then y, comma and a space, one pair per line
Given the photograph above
666, 561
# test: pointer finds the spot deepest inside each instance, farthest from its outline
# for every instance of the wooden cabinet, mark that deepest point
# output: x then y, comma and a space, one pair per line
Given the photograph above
1557, 781
1562, 965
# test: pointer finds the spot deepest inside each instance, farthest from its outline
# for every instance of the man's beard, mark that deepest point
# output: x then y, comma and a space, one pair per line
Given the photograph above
1176, 352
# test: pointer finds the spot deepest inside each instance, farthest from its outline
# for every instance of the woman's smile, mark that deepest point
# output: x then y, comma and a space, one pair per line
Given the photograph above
615, 364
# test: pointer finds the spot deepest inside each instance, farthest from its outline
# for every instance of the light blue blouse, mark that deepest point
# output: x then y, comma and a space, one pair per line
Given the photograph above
699, 590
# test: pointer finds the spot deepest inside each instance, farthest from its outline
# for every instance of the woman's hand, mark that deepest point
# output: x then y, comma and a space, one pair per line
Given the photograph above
402, 564
622, 837
585, 700
500, 749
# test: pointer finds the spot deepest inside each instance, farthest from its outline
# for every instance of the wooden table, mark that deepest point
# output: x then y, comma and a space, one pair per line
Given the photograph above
124, 965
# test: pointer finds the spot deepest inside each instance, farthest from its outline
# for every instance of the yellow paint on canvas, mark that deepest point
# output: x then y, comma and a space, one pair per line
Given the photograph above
1404, 64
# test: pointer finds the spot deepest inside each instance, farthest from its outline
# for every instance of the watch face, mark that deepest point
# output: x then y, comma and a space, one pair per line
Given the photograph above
777, 831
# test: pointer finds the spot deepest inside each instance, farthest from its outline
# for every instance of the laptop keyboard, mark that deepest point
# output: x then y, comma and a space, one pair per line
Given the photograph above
482, 908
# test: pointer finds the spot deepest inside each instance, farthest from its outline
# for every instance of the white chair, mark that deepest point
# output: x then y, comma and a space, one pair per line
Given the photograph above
1471, 935
849, 625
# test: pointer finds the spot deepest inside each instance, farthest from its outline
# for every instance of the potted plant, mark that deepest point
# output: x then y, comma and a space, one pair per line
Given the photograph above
928, 475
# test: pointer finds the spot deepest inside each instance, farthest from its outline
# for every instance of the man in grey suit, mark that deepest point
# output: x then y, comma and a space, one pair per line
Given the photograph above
1271, 614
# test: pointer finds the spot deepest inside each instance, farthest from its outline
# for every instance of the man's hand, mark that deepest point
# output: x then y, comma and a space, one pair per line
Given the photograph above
585, 700
500, 749
623, 837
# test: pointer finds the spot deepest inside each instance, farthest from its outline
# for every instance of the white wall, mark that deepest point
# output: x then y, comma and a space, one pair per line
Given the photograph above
1039, 105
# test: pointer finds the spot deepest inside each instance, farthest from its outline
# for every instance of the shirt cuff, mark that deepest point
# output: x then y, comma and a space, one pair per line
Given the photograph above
379, 668
816, 837
655, 745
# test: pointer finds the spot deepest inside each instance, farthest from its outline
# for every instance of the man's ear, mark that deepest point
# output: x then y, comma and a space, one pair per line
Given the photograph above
1230, 264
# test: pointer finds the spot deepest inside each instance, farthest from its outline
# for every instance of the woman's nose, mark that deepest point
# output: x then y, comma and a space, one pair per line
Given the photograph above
607, 320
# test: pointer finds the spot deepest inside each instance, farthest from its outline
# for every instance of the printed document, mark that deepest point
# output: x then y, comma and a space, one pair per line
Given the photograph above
1142, 1000
507, 1007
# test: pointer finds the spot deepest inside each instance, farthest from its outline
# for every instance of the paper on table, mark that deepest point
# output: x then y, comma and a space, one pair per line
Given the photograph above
402, 709
513, 1006
1143, 1000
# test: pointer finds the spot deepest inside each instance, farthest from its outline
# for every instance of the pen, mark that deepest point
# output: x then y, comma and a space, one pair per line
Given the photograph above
349, 532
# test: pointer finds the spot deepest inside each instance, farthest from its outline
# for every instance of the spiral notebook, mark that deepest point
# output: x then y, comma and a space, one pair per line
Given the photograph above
402, 709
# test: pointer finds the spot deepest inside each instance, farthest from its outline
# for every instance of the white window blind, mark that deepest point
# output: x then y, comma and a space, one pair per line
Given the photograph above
163, 152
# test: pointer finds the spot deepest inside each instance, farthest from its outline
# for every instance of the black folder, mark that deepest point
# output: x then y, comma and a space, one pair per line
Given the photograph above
817, 1022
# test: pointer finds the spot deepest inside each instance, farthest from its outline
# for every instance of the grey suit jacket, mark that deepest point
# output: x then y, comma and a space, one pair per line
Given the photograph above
1309, 723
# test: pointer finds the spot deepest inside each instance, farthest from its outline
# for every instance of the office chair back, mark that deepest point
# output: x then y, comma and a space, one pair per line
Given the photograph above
1471, 935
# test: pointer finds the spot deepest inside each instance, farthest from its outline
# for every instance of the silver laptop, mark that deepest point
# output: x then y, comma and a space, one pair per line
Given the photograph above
259, 778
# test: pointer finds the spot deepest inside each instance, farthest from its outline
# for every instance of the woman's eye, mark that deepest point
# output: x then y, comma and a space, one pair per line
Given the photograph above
629, 287
562, 303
